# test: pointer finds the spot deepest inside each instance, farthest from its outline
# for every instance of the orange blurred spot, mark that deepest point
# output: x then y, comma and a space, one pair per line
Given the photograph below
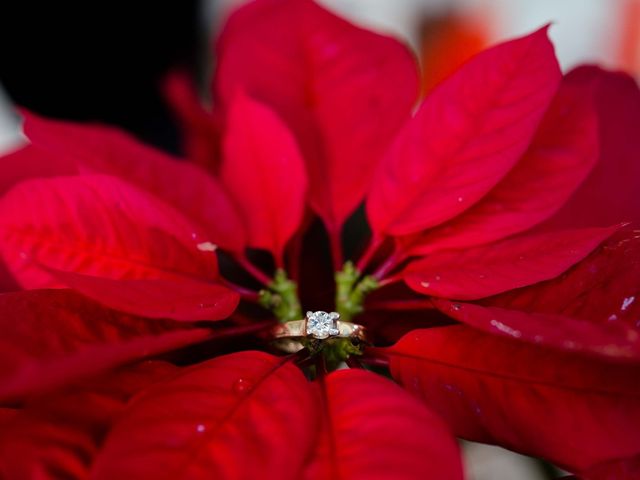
629, 41
447, 42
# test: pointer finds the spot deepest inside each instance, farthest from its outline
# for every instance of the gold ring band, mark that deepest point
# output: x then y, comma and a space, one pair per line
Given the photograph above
320, 325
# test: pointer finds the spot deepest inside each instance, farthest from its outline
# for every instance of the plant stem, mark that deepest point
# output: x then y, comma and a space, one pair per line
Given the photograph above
242, 329
252, 269
372, 248
370, 358
398, 277
245, 293
389, 264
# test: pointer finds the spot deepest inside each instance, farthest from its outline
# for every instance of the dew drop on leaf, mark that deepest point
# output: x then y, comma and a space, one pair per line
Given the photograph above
505, 328
207, 247
241, 385
627, 302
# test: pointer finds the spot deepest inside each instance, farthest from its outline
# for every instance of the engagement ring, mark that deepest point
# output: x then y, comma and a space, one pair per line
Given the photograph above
320, 326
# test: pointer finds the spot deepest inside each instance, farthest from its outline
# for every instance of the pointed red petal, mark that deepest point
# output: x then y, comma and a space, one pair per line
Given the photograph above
622, 469
245, 415
97, 225
54, 337
101, 149
347, 91
373, 429
57, 436
593, 307
613, 340
501, 266
563, 152
604, 284
22, 164
265, 174
610, 194
200, 127
30, 161
571, 410
178, 299
467, 135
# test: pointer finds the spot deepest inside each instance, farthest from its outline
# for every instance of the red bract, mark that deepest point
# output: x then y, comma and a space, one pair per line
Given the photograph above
343, 91
265, 173
485, 116
485, 388
199, 260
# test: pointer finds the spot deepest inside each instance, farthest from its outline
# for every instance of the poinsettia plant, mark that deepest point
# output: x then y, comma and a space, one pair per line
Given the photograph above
494, 265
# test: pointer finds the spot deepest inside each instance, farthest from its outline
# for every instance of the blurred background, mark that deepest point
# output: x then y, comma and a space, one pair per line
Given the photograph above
104, 61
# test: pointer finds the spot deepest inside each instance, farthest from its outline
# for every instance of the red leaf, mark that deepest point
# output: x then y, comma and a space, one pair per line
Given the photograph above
58, 436
563, 152
182, 299
347, 91
604, 284
613, 340
100, 149
594, 306
264, 171
498, 267
467, 135
6, 414
21, 164
200, 127
245, 415
372, 429
571, 410
30, 161
610, 194
54, 337
622, 469
97, 225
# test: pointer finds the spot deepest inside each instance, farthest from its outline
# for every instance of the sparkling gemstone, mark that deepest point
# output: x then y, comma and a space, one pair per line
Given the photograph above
322, 324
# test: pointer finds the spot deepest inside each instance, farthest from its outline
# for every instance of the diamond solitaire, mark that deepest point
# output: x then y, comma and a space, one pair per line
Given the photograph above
321, 325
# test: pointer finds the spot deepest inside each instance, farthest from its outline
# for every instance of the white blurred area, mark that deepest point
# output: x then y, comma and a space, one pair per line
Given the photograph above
10, 134
582, 30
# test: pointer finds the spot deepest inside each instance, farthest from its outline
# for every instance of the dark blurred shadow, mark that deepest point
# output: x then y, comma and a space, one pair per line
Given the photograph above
99, 60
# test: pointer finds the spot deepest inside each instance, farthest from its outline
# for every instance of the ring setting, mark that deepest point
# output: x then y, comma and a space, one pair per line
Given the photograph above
319, 325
